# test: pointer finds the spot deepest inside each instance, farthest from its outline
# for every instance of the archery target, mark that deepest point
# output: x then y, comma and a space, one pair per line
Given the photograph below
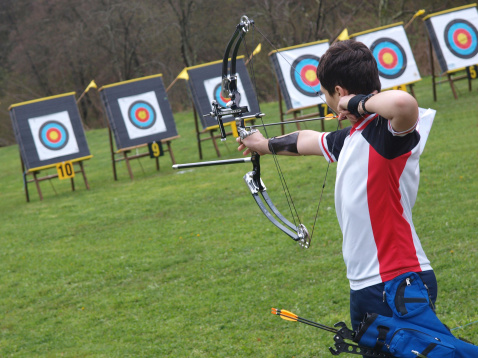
53, 135
392, 51
141, 115
303, 73
454, 37
390, 56
461, 38
296, 70
213, 90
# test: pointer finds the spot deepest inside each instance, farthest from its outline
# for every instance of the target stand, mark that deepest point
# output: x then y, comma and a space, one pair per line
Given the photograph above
451, 77
50, 134
204, 86
136, 152
453, 42
139, 118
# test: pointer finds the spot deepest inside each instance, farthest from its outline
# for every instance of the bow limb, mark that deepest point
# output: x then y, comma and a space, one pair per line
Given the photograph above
258, 189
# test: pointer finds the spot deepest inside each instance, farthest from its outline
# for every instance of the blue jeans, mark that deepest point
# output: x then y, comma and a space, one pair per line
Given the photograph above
370, 299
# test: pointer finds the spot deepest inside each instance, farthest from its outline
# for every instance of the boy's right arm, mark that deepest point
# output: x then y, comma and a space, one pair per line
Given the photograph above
399, 107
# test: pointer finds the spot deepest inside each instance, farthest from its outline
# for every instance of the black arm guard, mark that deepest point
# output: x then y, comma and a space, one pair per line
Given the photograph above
287, 143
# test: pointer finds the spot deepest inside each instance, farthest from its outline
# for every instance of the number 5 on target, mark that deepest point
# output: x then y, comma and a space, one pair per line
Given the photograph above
471, 71
65, 170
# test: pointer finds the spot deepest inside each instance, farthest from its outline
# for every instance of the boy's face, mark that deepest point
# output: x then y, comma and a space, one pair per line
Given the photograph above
332, 100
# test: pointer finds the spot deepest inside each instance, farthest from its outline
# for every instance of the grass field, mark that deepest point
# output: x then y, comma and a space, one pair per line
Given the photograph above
183, 264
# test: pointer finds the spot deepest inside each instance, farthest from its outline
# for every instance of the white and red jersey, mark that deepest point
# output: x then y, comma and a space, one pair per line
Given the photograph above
375, 190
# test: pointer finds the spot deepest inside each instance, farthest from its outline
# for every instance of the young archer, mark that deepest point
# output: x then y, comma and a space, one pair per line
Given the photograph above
377, 174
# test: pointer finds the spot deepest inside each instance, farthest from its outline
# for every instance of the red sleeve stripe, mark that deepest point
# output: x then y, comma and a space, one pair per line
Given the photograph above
325, 151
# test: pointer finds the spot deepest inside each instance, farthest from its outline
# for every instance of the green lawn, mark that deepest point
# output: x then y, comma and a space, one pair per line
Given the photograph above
183, 264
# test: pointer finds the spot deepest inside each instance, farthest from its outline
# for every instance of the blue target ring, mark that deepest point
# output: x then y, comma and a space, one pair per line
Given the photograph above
142, 115
461, 38
221, 100
390, 56
53, 135
303, 74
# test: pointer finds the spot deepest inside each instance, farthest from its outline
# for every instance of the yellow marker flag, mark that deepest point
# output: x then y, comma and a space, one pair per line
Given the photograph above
344, 35
91, 85
257, 50
183, 75
419, 13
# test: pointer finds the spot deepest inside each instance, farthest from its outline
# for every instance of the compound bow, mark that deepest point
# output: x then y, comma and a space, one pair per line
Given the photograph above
298, 232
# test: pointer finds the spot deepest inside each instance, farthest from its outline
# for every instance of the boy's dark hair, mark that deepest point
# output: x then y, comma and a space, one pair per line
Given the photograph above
351, 65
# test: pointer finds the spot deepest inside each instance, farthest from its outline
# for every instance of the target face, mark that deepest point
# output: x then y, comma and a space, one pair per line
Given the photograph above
219, 97
390, 56
53, 135
303, 74
296, 72
461, 38
142, 115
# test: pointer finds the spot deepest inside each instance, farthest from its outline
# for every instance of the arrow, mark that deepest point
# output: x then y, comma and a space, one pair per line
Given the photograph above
327, 118
289, 316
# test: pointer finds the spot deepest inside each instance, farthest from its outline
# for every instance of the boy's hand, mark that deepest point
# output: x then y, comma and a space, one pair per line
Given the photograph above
342, 108
256, 142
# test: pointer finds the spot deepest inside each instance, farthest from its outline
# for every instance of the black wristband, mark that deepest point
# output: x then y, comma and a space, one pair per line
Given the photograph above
353, 104
287, 143
365, 99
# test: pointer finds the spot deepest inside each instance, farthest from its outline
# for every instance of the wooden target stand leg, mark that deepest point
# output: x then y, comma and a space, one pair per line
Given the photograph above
37, 179
411, 89
210, 131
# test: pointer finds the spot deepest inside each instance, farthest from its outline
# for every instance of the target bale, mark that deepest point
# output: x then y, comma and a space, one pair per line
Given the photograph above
295, 68
391, 49
49, 131
454, 37
138, 114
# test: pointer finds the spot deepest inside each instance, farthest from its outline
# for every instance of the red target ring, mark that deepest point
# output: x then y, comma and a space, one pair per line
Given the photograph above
388, 58
309, 75
141, 114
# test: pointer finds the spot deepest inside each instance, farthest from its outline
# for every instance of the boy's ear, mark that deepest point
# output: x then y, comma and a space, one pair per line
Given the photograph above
341, 91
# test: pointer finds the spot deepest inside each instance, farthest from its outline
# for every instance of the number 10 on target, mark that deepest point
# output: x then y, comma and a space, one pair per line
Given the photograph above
65, 170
